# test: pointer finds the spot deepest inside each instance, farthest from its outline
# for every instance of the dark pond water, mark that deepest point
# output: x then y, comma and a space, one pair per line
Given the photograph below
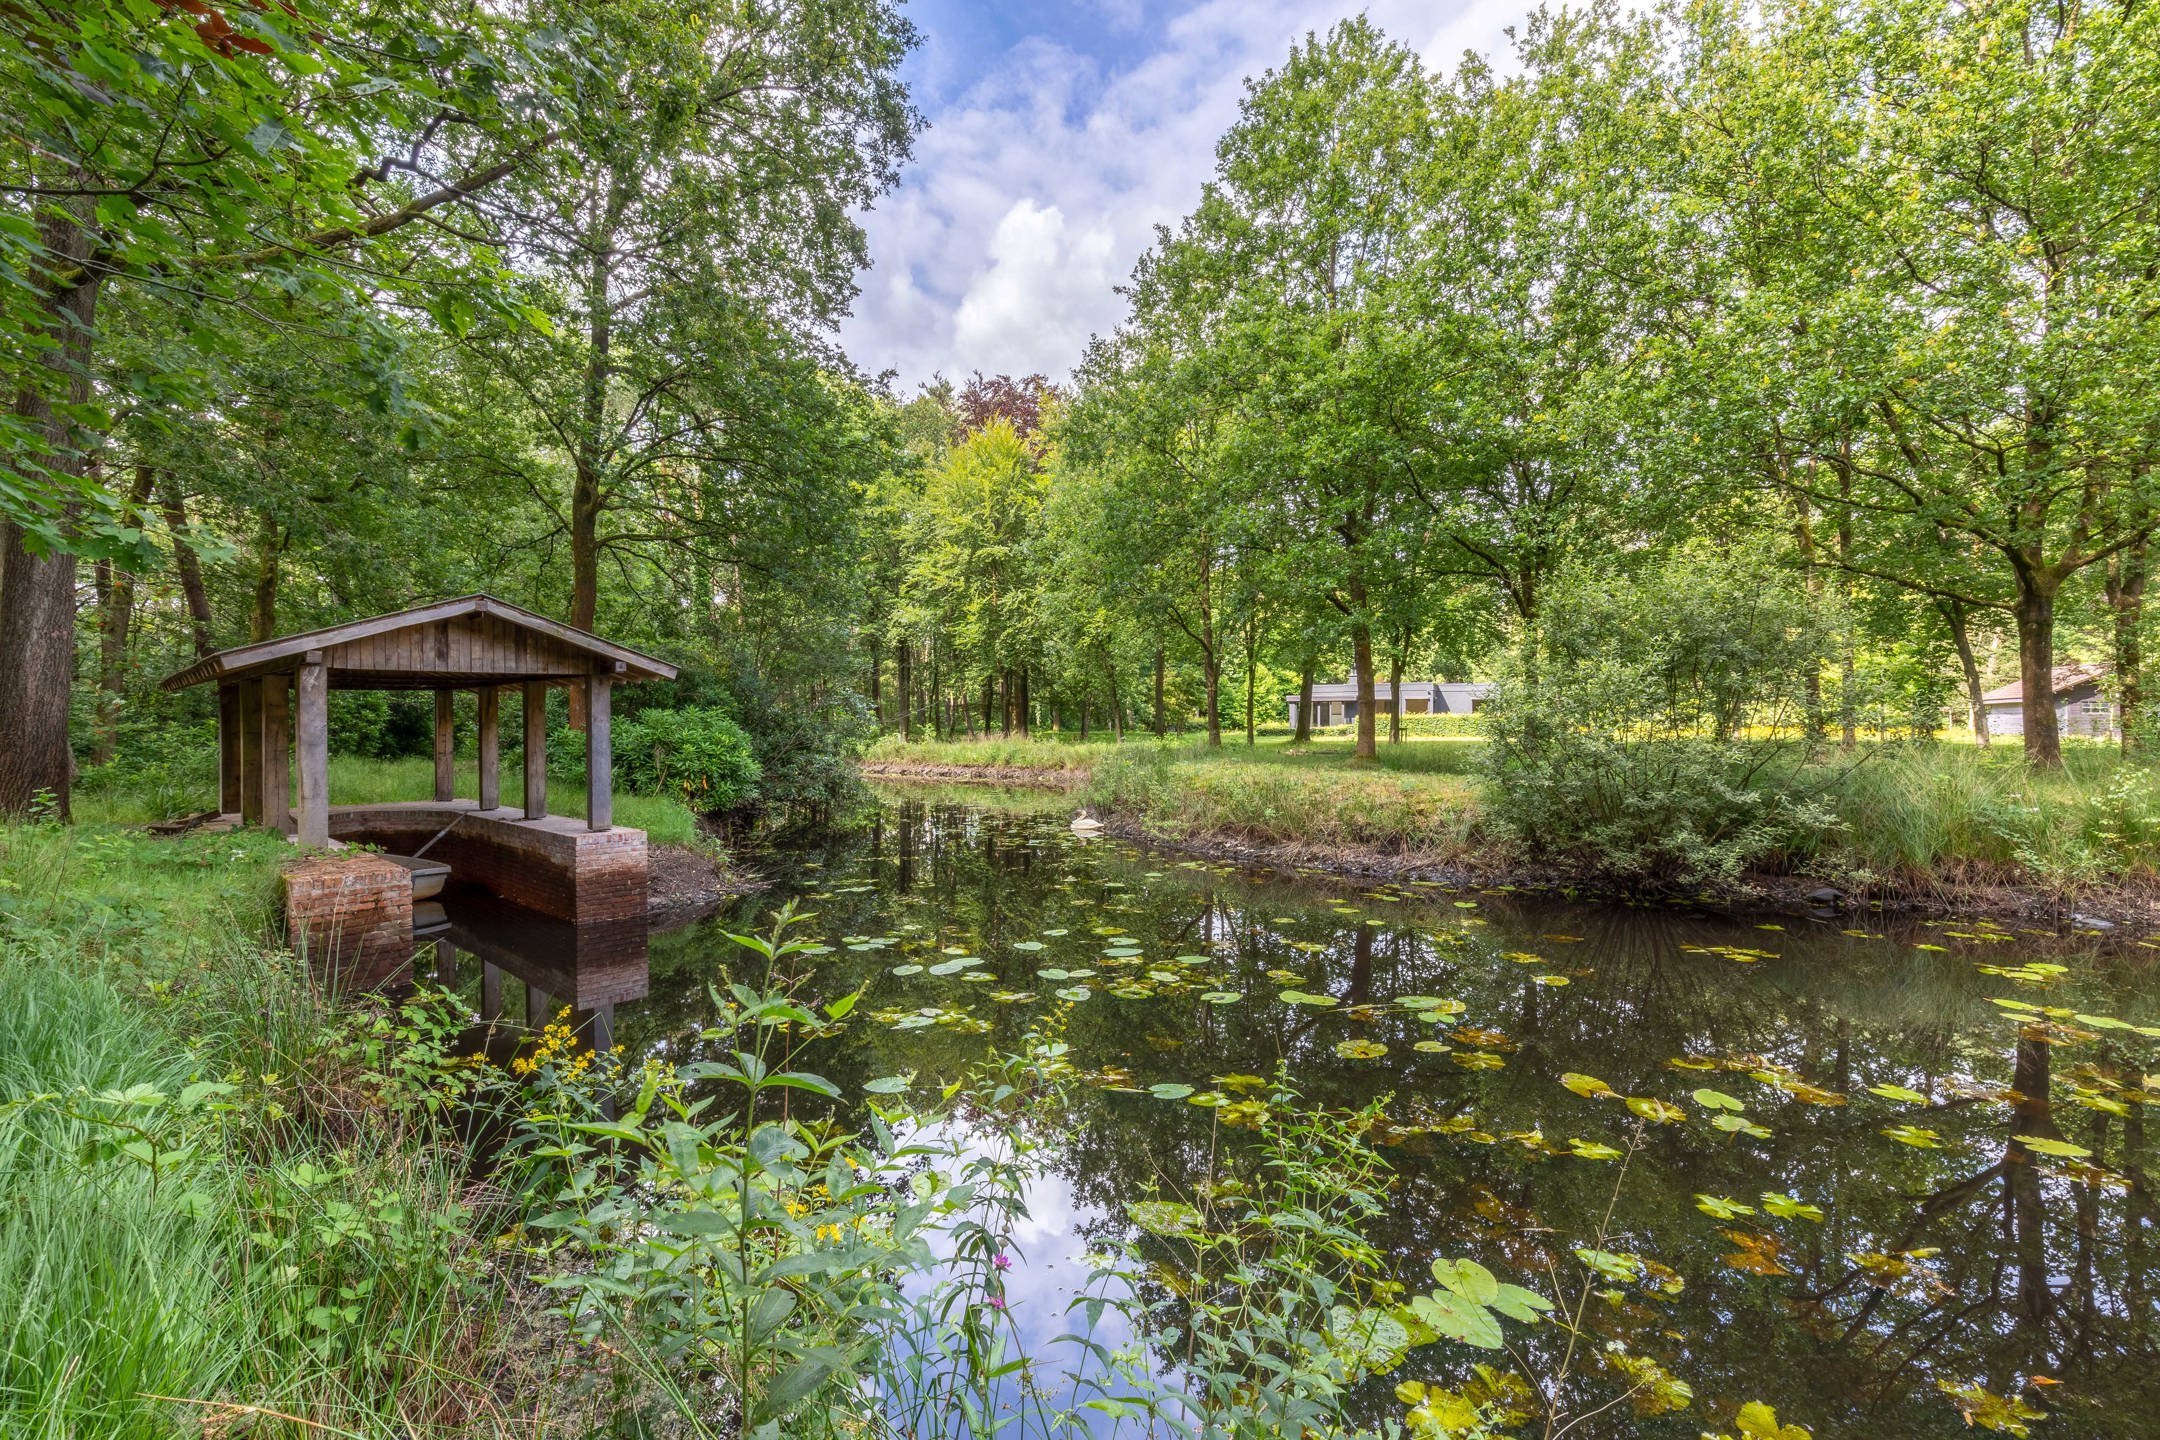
1874, 1083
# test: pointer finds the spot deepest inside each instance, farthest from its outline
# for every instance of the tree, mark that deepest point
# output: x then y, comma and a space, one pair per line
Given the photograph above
1937, 286
694, 228
1295, 258
206, 160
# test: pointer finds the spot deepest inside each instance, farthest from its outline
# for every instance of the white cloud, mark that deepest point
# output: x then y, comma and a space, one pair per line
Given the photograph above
1037, 188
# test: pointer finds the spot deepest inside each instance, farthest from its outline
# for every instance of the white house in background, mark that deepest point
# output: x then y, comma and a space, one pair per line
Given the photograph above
2081, 707
1335, 702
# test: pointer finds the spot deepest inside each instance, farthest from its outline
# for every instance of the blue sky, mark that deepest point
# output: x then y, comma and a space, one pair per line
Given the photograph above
1061, 133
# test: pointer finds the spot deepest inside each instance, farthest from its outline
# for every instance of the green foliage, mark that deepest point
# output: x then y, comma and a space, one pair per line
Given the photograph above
195, 1215
1620, 737
696, 755
382, 724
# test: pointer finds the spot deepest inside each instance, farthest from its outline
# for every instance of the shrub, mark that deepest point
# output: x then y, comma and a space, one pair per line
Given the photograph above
382, 725
1633, 730
696, 754
166, 766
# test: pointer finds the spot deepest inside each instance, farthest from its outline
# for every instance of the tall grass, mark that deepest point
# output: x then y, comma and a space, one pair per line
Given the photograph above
1195, 793
1038, 753
218, 1208
1917, 816
1954, 813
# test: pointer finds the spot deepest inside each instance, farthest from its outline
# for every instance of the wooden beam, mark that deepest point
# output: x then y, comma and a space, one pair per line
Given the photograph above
491, 1002
277, 753
535, 749
490, 747
599, 757
445, 745
311, 742
229, 748
538, 1007
251, 756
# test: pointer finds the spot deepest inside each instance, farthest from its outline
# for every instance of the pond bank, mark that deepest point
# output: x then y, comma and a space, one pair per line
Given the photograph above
1045, 777
1296, 805
685, 881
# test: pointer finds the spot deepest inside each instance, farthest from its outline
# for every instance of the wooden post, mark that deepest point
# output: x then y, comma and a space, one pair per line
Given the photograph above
491, 978
277, 753
490, 747
599, 758
446, 964
228, 718
311, 743
445, 745
251, 752
537, 1007
535, 749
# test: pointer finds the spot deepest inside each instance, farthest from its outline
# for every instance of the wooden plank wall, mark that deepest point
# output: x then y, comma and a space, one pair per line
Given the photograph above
469, 648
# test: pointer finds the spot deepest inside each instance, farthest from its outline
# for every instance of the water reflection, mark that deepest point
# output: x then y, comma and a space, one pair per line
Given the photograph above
1961, 1238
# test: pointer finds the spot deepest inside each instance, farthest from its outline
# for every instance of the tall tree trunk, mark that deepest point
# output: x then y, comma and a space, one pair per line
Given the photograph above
1117, 707
2035, 612
270, 544
1813, 720
1304, 699
1953, 613
116, 615
1368, 735
37, 591
2127, 572
1394, 719
903, 660
877, 698
188, 564
989, 703
589, 461
1848, 694
1027, 704
1252, 645
1161, 720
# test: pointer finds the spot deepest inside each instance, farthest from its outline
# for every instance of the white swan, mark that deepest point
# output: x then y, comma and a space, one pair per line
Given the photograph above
1085, 824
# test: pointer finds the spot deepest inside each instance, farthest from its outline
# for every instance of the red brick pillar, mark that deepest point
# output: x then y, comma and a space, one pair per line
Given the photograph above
350, 917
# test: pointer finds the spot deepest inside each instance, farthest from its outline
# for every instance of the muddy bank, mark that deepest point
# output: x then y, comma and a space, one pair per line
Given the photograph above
683, 882
2118, 910
2125, 911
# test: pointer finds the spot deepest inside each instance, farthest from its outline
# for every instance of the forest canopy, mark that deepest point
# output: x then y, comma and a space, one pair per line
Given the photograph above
319, 312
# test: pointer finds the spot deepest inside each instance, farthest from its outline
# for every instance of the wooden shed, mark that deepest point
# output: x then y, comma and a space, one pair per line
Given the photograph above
273, 711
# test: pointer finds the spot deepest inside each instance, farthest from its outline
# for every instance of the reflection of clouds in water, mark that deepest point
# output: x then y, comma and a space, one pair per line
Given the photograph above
1051, 1268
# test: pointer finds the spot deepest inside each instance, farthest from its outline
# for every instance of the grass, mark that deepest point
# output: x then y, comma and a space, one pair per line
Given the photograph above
1918, 815
217, 1214
358, 781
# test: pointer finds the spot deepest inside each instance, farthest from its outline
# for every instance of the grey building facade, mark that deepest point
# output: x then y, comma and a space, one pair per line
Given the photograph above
1336, 702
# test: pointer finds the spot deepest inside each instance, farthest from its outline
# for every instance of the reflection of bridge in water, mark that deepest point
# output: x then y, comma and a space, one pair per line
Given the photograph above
587, 968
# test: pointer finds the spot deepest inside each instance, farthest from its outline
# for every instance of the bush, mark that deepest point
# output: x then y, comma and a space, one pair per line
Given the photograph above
1633, 732
381, 724
696, 754
168, 767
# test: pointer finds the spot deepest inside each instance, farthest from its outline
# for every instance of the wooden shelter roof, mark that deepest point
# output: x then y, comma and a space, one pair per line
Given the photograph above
470, 641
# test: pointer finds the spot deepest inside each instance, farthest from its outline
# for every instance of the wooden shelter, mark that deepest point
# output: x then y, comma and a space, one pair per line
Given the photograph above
273, 703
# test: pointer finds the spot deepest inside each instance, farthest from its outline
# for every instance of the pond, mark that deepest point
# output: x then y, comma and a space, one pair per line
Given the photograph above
1886, 1175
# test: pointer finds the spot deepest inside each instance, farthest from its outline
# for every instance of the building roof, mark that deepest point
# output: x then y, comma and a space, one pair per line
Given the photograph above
471, 640
2067, 677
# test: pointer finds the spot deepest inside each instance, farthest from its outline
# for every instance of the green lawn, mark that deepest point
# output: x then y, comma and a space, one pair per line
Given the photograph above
356, 781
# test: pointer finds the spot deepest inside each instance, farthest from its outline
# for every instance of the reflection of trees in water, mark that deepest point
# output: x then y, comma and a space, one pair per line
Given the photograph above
2034, 1274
